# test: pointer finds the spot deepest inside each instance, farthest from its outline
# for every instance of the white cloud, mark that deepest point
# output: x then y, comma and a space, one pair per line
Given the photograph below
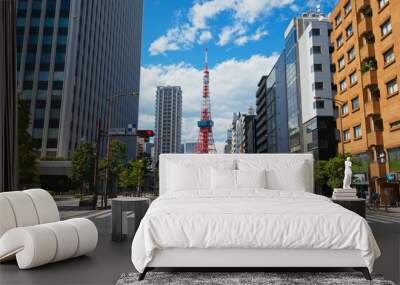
260, 32
195, 28
227, 95
205, 36
230, 32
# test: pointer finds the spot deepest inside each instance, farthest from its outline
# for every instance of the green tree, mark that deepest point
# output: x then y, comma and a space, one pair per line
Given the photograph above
82, 165
320, 175
28, 174
132, 176
331, 172
116, 163
334, 169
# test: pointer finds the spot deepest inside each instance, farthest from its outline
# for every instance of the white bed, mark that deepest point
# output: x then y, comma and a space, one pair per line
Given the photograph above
248, 227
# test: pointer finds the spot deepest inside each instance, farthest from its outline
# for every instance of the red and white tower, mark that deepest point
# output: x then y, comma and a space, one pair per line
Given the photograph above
205, 143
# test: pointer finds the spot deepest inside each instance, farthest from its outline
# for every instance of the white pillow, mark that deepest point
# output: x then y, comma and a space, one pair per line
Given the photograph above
292, 178
251, 178
281, 174
183, 178
193, 175
223, 179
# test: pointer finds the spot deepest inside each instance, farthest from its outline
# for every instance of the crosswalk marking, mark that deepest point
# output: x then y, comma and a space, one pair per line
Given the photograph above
378, 220
382, 218
104, 215
129, 214
386, 217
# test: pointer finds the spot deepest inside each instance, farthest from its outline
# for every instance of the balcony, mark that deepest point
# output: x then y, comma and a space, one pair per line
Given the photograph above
372, 108
370, 78
374, 138
367, 51
365, 30
365, 8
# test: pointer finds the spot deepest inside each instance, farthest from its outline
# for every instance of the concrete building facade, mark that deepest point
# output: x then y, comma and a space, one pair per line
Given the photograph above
366, 41
314, 64
168, 125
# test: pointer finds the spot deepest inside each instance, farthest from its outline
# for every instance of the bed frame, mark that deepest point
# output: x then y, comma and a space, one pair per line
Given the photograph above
249, 259
246, 259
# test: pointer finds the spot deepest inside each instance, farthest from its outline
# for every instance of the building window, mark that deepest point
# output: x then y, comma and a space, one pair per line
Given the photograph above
347, 8
319, 104
338, 20
315, 50
355, 105
395, 124
353, 78
317, 67
318, 86
346, 135
394, 159
339, 41
382, 3
351, 54
345, 109
315, 32
349, 30
342, 85
341, 63
357, 132
392, 87
388, 56
386, 28
43, 76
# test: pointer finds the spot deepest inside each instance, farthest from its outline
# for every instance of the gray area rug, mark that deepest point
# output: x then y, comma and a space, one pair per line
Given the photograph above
229, 278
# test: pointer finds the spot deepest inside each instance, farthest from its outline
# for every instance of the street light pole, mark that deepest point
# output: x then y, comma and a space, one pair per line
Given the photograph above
340, 104
109, 120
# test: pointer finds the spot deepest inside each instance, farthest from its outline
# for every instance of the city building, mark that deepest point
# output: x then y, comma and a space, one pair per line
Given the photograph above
271, 106
168, 127
190, 147
366, 41
311, 122
148, 148
234, 134
71, 56
228, 142
315, 77
140, 147
249, 131
240, 138
250, 134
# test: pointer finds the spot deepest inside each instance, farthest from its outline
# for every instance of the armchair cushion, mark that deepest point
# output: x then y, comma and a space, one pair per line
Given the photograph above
31, 231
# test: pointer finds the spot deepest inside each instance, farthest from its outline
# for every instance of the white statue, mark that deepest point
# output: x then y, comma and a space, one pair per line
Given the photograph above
347, 174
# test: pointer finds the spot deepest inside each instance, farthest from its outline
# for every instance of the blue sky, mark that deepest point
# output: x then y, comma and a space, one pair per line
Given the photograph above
244, 38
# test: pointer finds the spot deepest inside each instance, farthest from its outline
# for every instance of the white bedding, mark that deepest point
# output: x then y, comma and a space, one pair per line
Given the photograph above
250, 219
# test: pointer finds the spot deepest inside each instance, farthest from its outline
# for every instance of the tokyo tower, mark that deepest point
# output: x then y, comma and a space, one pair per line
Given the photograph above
205, 143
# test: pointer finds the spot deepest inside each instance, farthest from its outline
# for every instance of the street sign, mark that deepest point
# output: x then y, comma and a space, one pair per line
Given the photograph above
117, 132
131, 130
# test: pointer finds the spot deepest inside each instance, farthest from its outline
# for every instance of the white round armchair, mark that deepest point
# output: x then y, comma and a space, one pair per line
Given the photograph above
31, 230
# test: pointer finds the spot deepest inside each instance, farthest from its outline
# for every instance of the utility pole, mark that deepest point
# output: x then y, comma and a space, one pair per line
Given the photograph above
96, 163
109, 114
110, 105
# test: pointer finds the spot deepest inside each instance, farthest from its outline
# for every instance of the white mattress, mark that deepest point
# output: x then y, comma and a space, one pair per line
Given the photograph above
253, 219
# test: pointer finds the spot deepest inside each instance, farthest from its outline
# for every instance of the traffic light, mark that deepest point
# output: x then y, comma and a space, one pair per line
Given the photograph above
146, 134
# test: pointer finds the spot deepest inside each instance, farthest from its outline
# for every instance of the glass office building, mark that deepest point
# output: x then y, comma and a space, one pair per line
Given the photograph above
292, 94
71, 56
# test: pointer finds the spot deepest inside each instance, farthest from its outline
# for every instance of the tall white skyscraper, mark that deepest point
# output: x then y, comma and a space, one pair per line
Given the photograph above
168, 120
